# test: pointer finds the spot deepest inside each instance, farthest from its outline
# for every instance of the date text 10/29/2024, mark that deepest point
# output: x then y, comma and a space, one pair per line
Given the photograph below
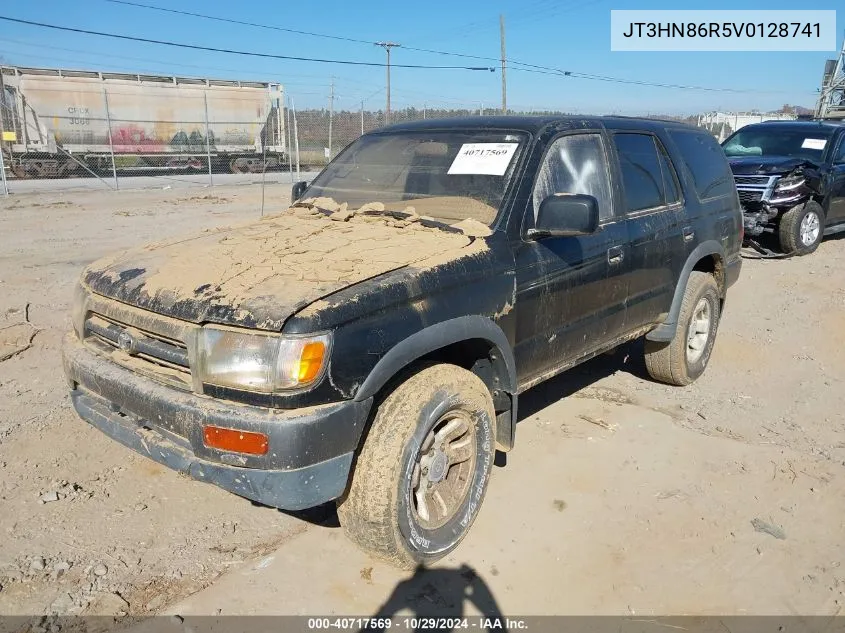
417, 624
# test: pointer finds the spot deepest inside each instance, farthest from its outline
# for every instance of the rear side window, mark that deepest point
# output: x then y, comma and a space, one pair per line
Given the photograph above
706, 163
642, 173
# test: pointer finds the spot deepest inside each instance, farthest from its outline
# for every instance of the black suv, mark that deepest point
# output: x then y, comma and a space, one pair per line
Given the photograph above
791, 180
369, 344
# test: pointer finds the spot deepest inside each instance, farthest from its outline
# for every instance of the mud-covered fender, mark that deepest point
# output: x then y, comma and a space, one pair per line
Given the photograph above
666, 331
441, 335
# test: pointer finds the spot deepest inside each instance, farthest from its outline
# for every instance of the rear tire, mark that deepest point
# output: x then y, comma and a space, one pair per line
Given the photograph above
423, 470
684, 358
801, 229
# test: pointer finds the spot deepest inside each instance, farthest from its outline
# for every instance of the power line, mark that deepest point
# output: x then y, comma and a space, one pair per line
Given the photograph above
235, 52
354, 85
514, 64
239, 72
241, 22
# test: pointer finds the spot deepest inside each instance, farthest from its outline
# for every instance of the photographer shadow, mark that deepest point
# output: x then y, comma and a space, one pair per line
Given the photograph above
435, 596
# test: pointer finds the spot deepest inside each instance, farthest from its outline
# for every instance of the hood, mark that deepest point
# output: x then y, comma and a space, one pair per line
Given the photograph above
259, 274
766, 165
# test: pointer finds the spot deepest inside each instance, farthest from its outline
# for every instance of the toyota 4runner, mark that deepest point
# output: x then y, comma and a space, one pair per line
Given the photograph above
369, 344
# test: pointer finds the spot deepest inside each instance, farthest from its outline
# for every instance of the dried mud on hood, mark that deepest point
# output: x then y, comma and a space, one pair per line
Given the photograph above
259, 274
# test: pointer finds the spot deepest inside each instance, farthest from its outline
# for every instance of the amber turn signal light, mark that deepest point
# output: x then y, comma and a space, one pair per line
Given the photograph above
310, 361
234, 440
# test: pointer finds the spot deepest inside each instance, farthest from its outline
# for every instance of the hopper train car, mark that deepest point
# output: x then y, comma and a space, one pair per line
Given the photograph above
60, 123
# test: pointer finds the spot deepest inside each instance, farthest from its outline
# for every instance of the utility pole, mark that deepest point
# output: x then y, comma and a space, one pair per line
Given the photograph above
331, 116
387, 46
504, 82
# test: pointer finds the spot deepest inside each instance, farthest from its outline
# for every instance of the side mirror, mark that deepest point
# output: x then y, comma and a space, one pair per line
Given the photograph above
565, 215
297, 190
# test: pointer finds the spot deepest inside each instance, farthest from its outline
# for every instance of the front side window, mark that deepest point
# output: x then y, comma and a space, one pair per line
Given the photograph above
450, 175
575, 164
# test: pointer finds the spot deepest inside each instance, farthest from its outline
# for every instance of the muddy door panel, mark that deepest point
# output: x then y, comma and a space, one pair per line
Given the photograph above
570, 290
657, 226
571, 297
656, 244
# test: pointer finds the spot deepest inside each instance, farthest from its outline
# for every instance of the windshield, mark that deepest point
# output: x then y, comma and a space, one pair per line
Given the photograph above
447, 175
778, 141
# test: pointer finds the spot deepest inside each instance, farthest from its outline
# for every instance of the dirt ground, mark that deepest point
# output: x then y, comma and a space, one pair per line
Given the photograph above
621, 496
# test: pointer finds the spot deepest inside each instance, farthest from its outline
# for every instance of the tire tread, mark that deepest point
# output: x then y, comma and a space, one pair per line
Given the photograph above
666, 361
368, 512
789, 227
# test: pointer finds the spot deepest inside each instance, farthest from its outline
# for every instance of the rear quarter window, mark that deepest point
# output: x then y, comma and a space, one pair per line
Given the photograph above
706, 163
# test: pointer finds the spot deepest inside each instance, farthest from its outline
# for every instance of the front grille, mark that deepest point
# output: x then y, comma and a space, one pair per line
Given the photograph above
755, 190
145, 351
752, 180
750, 196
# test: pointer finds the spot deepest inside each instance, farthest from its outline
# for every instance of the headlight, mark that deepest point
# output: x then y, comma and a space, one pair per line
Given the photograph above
789, 184
259, 362
78, 310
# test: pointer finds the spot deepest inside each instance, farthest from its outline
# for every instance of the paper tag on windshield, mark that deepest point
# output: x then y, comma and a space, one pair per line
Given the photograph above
814, 143
489, 159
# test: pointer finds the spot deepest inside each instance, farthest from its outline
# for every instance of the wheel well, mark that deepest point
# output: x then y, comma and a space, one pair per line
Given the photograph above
822, 201
713, 265
479, 356
482, 358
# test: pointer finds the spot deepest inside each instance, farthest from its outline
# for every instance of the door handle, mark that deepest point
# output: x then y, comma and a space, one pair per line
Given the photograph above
689, 234
615, 255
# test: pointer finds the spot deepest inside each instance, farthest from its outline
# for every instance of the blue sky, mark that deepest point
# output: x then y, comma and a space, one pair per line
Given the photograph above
568, 34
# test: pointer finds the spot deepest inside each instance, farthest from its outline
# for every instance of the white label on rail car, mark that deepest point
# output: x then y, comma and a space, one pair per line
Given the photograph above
488, 159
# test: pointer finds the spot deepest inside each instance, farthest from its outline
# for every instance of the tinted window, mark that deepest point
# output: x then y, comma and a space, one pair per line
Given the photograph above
642, 175
840, 155
706, 163
670, 178
575, 164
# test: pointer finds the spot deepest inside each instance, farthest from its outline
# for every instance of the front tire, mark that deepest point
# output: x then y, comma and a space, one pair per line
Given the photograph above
682, 360
424, 468
801, 229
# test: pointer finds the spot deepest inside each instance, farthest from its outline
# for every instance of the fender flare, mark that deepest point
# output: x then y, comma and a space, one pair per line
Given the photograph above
665, 332
436, 337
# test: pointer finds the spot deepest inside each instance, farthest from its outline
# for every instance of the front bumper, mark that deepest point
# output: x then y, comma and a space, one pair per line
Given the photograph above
310, 450
758, 221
